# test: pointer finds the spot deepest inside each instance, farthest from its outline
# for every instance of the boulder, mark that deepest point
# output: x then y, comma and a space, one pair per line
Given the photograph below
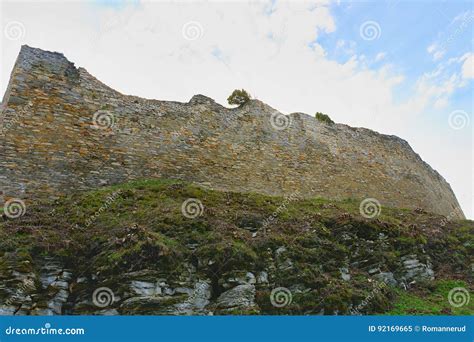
240, 297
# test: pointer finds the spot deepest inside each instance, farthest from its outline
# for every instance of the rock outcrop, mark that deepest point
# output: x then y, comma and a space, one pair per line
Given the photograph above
64, 131
46, 287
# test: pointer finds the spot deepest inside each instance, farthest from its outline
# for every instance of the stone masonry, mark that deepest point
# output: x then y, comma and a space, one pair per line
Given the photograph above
64, 131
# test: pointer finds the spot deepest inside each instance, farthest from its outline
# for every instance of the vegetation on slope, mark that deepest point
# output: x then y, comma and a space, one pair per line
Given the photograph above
307, 247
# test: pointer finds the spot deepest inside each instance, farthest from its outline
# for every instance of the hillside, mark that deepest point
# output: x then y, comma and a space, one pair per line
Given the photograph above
228, 253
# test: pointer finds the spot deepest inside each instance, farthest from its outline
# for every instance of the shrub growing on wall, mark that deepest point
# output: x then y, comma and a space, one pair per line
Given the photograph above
324, 118
238, 97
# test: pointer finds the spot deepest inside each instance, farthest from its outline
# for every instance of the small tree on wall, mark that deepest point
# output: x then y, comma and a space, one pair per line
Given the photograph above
238, 97
324, 118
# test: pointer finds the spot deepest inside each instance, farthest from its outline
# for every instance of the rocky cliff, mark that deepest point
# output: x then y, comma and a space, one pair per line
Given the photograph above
63, 130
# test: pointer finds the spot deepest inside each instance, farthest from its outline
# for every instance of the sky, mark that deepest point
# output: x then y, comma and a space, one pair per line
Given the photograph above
404, 68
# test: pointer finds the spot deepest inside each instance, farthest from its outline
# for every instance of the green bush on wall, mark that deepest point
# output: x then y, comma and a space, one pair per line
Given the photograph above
238, 97
324, 118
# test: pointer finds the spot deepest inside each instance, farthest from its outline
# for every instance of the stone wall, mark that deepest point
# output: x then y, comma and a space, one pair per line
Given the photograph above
63, 130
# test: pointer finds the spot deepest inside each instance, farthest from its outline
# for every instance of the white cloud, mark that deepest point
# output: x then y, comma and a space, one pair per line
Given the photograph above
438, 55
380, 56
468, 66
346, 46
434, 88
340, 43
441, 103
436, 51
431, 48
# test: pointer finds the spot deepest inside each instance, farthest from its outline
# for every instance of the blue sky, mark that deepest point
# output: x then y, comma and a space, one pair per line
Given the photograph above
408, 28
397, 67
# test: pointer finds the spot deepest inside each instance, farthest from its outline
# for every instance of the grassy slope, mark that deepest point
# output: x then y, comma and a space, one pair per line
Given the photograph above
144, 228
430, 300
